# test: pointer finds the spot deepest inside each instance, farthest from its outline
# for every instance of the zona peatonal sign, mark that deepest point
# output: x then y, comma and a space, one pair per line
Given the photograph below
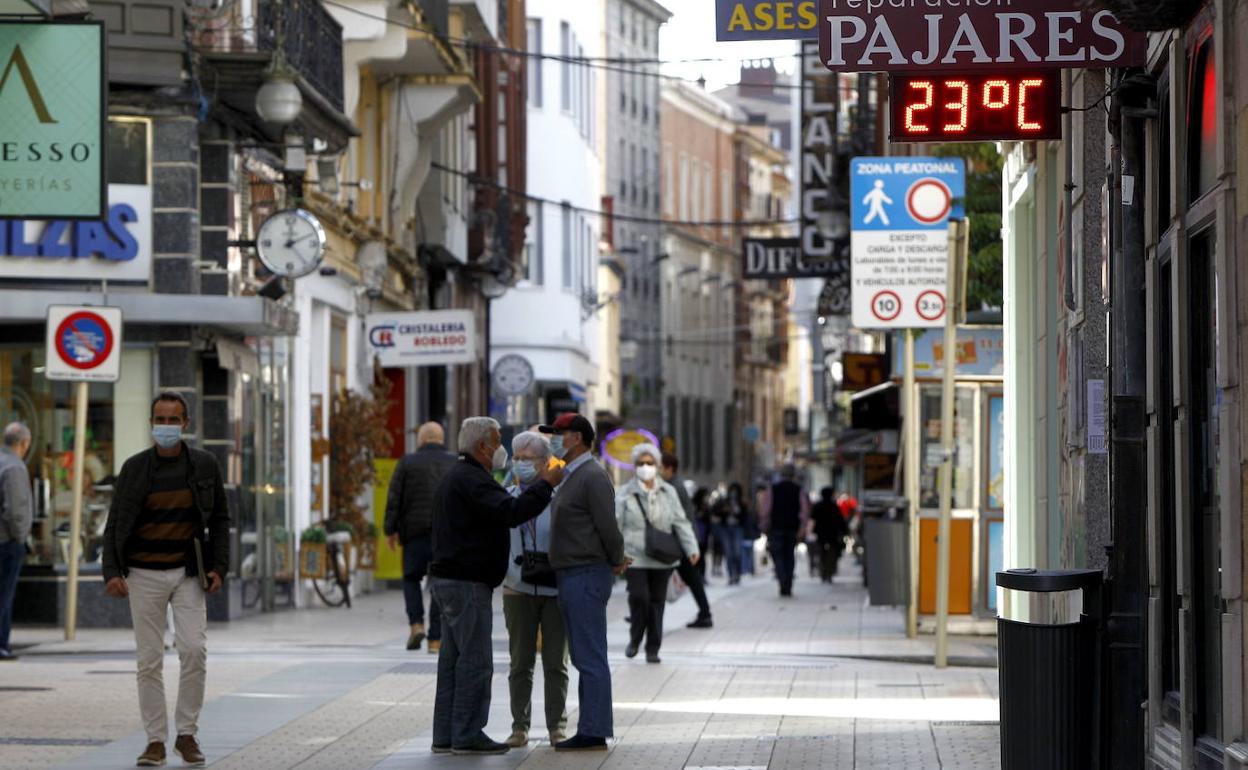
968, 35
52, 116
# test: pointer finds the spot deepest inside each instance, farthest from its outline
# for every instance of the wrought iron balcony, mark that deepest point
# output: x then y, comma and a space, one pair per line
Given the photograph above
309, 38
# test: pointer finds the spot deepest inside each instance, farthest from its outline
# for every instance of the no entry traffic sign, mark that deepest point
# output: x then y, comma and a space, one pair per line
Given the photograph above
900, 239
84, 343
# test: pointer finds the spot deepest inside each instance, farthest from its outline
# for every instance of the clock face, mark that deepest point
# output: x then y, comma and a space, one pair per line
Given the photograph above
291, 243
513, 375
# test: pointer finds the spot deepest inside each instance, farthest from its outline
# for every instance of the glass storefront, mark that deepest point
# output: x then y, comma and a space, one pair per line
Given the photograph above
116, 429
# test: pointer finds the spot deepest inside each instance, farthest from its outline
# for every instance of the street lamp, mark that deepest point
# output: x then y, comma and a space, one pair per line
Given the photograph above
278, 101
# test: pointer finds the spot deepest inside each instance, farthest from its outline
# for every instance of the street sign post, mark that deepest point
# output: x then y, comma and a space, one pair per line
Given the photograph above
83, 346
899, 239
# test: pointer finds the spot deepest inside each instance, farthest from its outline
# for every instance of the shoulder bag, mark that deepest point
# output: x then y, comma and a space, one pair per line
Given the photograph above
535, 566
660, 546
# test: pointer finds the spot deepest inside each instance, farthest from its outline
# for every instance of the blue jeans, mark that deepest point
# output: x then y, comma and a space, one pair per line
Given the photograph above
730, 543
417, 554
12, 554
583, 596
466, 662
747, 556
781, 544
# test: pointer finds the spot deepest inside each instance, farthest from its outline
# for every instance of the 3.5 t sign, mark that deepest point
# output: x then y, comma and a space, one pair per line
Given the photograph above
974, 108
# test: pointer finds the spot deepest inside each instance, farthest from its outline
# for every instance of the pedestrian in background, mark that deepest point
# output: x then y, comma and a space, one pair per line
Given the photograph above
16, 514
409, 520
648, 504
531, 605
702, 526
155, 555
587, 551
472, 519
830, 529
691, 567
785, 512
728, 518
751, 532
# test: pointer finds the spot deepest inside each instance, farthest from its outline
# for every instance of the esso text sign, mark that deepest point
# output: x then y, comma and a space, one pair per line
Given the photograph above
975, 108
973, 35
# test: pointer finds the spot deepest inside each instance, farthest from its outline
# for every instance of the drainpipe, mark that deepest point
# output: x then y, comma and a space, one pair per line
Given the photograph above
1123, 654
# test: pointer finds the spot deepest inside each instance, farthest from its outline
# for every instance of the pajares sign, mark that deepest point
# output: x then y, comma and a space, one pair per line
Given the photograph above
968, 35
778, 258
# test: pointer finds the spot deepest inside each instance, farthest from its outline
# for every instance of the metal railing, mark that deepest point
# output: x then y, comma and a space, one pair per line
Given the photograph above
310, 39
437, 13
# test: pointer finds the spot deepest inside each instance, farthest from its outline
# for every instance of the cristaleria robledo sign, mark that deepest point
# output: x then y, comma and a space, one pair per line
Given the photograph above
966, 35
52, 112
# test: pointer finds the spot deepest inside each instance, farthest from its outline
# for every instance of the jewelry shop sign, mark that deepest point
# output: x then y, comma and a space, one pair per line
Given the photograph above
52, 117
969, 35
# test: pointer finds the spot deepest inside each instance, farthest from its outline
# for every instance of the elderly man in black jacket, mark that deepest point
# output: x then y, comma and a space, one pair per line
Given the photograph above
409, 520
472, 519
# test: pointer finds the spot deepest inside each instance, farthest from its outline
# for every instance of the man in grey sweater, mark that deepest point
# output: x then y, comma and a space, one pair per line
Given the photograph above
16, 513
587, 552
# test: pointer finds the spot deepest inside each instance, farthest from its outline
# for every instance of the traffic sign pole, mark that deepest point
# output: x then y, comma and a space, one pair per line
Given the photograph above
957, 243
82, 390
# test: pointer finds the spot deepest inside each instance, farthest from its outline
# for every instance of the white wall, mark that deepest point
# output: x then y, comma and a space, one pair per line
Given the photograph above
543, 322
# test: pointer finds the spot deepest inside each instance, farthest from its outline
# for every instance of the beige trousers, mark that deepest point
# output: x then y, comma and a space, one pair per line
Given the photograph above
152, 592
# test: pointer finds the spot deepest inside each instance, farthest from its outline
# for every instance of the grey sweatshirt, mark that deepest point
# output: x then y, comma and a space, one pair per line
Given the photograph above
583, 529
16, 500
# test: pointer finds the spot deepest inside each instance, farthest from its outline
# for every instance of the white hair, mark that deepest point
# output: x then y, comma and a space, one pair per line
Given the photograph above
15, 433
474, 430
646, 449
532, 442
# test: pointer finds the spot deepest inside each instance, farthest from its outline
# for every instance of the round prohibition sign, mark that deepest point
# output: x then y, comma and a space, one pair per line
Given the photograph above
886, 305
929, 201
930, 305
84, 340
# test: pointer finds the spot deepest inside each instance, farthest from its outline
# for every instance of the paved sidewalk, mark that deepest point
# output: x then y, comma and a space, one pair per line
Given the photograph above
816, 681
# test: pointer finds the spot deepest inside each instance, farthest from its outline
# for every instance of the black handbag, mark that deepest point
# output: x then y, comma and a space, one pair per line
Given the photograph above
660, 546
535, 566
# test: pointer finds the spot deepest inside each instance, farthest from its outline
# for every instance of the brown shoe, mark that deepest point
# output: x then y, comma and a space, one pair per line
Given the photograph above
434, 646
153, 756
188, 748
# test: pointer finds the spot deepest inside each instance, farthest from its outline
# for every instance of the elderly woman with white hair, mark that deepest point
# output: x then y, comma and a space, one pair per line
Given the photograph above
656, 534
531, 605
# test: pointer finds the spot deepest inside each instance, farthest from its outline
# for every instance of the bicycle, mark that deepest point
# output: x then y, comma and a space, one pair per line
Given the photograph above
334, 587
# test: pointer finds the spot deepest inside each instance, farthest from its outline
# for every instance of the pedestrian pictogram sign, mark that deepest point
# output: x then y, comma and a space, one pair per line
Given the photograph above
900, 239
84, 343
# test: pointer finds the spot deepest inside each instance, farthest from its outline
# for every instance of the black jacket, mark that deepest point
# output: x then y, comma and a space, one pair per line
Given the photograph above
410, 501
130, 493
829, 523
472, 521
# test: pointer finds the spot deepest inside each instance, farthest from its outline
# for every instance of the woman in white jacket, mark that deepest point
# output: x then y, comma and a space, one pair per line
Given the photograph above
648, 497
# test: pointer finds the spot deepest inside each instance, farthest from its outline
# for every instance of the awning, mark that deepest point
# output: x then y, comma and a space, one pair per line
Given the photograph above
243, 316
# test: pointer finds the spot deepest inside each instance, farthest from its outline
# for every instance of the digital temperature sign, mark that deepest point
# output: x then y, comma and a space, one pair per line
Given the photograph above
975, 108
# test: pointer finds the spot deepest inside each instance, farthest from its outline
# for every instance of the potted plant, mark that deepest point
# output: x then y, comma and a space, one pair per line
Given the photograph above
312, 552
368, 548
358, 434
283, 561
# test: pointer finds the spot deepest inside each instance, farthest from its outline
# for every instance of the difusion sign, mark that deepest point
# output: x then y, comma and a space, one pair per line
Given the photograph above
778, 258
424, 338
52, 113
928, 35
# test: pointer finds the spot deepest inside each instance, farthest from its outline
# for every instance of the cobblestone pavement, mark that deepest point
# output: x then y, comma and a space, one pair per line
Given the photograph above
817, 681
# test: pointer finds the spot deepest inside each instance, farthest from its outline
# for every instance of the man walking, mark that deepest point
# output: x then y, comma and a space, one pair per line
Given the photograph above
687, 571
587, 552
155, 555
785, 512
472, 521
16, 514
409, 520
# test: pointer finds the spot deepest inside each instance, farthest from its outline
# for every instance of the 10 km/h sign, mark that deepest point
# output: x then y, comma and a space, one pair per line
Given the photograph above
900, 239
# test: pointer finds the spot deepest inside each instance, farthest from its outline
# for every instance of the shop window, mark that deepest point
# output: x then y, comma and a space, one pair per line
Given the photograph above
129, 151
1170, 646
1202, 123
337, 354
964, 448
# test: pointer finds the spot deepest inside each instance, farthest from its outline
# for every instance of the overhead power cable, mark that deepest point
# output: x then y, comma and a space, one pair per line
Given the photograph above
479, 181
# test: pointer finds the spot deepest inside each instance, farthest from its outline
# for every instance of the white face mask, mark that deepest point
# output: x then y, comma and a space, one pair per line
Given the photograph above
647, 472
499, 461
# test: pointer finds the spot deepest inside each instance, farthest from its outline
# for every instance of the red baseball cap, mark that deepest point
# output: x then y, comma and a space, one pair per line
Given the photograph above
571, 421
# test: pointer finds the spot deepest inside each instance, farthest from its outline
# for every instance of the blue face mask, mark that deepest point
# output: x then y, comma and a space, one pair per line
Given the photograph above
556, 446
166, 436
525, 471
